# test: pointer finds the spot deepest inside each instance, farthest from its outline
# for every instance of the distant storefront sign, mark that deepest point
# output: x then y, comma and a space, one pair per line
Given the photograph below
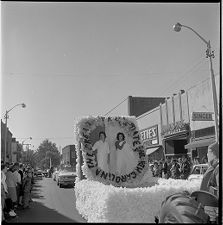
202, 116
149, 136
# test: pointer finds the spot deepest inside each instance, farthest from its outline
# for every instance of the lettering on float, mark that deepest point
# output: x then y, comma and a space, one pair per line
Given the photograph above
91, 160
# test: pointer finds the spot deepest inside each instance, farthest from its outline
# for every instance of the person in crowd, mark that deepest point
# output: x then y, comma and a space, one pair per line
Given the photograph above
152, 168
32, 184
26, 185
102, 148
161, 168
175, 169
20, 171
166, 168
4, 189
210, 181
18, 181
156, 169
185, 168
11, 199
180, 161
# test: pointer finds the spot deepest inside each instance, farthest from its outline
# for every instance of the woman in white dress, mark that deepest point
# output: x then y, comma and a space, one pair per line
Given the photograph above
126, 160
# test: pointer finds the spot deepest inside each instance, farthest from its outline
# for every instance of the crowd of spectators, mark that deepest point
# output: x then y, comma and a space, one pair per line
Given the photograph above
172, 168
16, 184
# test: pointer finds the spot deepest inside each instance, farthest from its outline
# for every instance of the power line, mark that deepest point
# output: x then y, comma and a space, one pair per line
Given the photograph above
115, 107
186, 77
183, 75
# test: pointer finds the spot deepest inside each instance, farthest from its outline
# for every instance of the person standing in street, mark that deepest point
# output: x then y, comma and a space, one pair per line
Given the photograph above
166, 168
175, 170
27, 184
11, 182
185, 168
18, 181
156, 169
20, 171
32, 184
161, 168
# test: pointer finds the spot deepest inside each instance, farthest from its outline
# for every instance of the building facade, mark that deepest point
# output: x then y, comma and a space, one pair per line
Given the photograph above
16, 151
8, 143
185, 123
69, 155
175, 127
150, 132
202, 121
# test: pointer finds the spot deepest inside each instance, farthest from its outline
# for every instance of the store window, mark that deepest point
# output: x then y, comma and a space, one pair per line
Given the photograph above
175, 147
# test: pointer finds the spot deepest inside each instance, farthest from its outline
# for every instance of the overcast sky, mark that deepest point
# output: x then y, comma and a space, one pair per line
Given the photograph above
68, 60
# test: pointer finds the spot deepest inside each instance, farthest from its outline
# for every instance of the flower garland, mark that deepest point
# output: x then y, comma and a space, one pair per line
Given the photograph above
83, 129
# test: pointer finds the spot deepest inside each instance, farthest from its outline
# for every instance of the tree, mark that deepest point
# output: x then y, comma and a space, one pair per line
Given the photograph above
29, 157
46, 151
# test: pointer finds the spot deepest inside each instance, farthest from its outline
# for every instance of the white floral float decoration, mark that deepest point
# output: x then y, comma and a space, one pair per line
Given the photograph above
85, 126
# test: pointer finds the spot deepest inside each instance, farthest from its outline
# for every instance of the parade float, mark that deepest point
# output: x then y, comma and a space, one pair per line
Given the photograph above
132, 195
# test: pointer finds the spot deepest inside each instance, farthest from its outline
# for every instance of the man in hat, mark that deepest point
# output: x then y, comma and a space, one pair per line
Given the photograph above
210, 181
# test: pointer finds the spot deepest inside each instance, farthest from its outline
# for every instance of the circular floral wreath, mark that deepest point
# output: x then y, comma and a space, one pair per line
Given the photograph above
90, 169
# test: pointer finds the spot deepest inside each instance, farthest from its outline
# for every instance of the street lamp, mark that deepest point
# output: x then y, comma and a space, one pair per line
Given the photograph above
210, 55
6, 118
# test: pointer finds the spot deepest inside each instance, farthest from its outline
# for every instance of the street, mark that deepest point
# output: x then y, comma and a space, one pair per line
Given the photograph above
50, 204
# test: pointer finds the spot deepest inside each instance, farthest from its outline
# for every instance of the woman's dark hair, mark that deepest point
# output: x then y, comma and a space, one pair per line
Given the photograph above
102, 132
117, 137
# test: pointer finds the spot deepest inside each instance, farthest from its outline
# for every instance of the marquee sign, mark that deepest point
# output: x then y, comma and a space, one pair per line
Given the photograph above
149, 136
172, 128
202, 116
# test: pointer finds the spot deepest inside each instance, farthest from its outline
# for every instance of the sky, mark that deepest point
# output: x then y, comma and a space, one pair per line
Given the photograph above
69, 60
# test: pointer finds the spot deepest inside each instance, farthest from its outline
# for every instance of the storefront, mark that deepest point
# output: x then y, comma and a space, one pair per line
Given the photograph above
175, 126
202, 122
151, 142
174, 139
201, 138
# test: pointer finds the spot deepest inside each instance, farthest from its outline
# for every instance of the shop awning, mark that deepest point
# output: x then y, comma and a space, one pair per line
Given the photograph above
151, 150
200, 143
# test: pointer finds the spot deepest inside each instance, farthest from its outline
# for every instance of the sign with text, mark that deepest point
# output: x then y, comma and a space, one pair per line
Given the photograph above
202, 116
149, 136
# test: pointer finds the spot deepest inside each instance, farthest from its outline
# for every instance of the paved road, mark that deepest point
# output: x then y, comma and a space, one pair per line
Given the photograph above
51, 204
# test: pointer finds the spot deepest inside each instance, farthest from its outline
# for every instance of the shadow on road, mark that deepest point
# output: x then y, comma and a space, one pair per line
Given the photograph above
38, 213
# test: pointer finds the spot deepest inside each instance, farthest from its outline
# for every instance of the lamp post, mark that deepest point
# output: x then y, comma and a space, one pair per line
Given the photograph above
6, 131
210, 55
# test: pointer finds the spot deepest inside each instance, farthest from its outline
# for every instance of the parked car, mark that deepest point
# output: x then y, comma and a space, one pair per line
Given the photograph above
197, 172
38, 173
66, 177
